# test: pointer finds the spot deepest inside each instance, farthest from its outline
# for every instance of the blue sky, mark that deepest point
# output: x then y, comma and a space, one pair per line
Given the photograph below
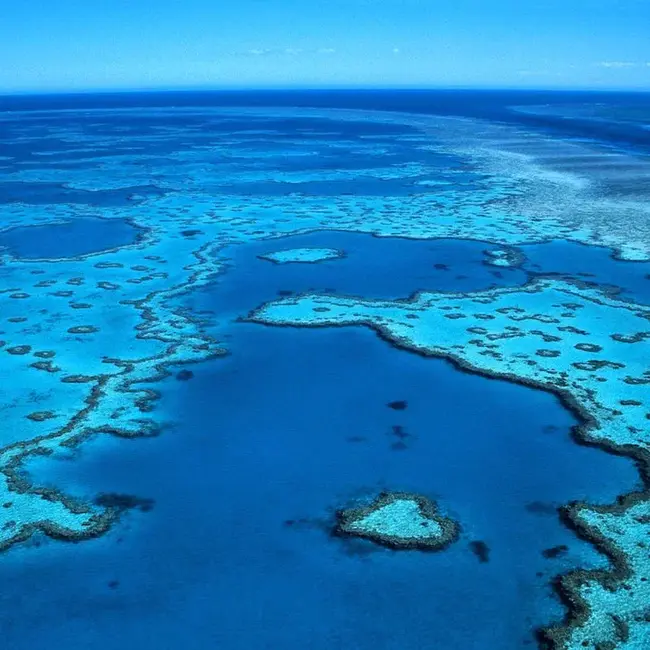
100, 44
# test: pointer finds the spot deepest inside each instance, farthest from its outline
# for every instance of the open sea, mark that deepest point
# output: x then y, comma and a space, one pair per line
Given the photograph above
172, 469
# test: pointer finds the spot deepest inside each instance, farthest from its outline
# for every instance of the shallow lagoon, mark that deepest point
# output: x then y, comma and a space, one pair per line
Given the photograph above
390, 267
74, 238
591, 264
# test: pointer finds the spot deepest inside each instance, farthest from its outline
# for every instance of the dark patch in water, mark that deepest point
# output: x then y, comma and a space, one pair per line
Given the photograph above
398, 431
555, 551
541, 508
481, 550
123, 501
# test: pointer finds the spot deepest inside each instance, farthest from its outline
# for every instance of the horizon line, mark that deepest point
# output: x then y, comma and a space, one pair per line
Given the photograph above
138, 90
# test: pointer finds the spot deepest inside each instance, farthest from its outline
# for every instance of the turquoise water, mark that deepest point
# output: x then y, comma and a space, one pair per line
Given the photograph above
133, 243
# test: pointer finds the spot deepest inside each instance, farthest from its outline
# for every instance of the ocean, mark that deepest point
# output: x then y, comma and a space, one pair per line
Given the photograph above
230, 317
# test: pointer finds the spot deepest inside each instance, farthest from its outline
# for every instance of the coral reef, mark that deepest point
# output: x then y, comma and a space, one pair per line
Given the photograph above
607, 391
303, 255
573, 340
400, 521
503, 257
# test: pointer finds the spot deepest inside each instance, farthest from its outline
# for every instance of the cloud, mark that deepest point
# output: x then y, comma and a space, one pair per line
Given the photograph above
256, 52
617, 64
396, 50
282, 51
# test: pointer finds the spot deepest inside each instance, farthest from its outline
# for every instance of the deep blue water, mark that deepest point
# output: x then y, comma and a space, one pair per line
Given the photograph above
80, 236
267, 443
415, 265
262, 446
591, 264
487, 104
444, 265
50, 193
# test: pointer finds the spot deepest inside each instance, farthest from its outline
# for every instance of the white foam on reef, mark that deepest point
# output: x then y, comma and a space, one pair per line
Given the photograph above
523, 167
598, 196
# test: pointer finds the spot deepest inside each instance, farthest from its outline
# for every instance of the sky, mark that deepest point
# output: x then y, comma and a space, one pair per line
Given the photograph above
59, 45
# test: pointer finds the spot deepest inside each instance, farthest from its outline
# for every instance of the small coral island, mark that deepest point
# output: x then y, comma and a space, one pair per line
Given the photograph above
399, 520
304, 255
505, 257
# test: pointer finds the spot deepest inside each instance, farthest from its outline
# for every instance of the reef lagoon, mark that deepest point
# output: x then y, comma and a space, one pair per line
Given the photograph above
325, 369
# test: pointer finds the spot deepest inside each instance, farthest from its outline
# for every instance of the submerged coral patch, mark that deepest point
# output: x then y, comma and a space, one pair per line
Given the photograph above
19, 349
504, 257
41, 416
124, 502
303, 255
83, 329
481, 550
399, 520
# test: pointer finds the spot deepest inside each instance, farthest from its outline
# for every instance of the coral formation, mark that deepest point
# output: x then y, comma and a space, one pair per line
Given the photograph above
582, 344
607, 392
400, 521
303, 255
